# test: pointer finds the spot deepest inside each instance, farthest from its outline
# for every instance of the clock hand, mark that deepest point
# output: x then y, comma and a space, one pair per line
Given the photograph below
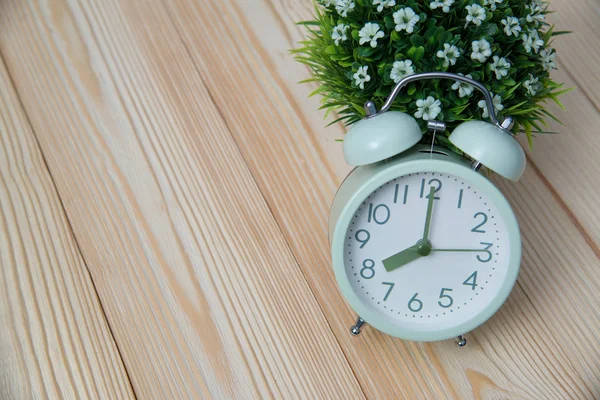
429, 213
421, 249
402, 258
461, 250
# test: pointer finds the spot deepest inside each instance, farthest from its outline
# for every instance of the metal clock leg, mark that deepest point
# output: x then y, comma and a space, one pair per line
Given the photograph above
461, 341
356, 328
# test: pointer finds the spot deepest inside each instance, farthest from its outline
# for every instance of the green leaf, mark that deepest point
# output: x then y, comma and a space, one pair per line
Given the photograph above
331, 49
417, 40
419, 53
366, 51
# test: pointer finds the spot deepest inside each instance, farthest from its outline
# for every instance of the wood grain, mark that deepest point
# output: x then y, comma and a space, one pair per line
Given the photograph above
201, 290
54, 339
197, 175
258, 69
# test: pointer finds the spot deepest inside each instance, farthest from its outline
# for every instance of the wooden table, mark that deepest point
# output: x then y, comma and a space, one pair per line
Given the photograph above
164, 190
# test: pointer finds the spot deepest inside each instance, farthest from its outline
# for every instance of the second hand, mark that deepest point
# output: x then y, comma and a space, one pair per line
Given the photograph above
461, 250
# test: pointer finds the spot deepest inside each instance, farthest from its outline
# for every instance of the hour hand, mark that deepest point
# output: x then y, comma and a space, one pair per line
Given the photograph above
400, 259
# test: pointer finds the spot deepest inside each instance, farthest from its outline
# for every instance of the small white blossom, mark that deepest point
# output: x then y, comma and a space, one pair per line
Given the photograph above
369, 34
511, 26
401, 69
361, 76
343, 7
476, 14
405, 19
492, 3
481, 50
500, 67
327, 3
444, 5
339, 33
450, 54
464, 89
535, 14
531, 85
532, 41
496, 101
428, 109
383, 3
548, 60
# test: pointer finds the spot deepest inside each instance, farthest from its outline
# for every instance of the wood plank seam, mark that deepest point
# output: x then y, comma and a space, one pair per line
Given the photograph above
556, 339
67, 219
580, 87
261, 190
570, 214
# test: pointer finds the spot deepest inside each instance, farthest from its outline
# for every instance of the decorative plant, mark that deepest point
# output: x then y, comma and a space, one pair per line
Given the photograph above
359, 49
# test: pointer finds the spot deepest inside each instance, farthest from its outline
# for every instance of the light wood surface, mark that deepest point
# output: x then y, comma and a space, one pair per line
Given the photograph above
54, 339
196, 177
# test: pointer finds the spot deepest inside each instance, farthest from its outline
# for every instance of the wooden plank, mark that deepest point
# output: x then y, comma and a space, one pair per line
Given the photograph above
577, 52
568, 162
54, 339
517, 354
203, 294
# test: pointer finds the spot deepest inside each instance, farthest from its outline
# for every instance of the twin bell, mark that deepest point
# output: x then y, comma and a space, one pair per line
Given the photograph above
384, 134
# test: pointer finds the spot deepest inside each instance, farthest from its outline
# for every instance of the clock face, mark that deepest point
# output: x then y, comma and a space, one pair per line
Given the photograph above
427, 251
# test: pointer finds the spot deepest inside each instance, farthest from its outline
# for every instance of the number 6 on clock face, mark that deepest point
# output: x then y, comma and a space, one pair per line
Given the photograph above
426, 254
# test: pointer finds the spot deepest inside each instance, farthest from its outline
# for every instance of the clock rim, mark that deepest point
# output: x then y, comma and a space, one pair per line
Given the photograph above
394, 170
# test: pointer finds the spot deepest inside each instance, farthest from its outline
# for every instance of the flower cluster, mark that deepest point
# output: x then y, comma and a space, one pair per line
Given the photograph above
359, 49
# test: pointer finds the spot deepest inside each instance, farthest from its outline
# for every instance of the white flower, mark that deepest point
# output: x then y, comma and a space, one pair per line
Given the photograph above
327, 3
532, 41
369, 34
339, 33
500, 67
464, 89
481, 50
496, 101
548, 60
536, 14
405, 19
343, 7
383, 3
450, 54
444, 5
361, 76
476, 14
401, 69
531, 85
511, 26
492, 3
428, 109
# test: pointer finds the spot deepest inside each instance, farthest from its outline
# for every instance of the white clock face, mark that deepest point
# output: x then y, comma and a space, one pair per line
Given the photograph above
433, 282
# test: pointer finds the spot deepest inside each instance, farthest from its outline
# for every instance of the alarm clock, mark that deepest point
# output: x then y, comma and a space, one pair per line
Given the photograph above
425, 247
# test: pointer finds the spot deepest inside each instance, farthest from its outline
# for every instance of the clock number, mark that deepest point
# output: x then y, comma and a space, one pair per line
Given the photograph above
485, 218
431, 182
391, 286
489, 253
378, 217
445, 296
471, 280
396, 193
413, 300
368, 270
460, 195
364, 241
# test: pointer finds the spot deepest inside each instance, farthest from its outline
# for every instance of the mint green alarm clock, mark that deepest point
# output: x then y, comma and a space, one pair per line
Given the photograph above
424, 247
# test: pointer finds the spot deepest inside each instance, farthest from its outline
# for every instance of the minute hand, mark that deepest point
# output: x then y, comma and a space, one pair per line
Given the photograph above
428, 215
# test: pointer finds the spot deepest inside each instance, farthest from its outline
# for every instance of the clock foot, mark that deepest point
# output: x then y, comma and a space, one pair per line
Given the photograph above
461, 341
356, 328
